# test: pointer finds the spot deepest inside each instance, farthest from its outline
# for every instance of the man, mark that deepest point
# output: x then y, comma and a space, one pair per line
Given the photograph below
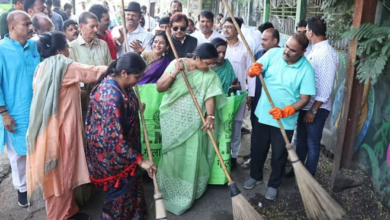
219, 18
238, 56
19, 57
68, 9
191, 26
206, 33
41, 23
114, 21
291, 75
149, 21
58, 10
33, 7
176, 7
134, 31
269, 39
71, 30
103, 31
18, 5
184, 44
301, 28
56, 18
311, 121
142, 21
162, 24
87, 49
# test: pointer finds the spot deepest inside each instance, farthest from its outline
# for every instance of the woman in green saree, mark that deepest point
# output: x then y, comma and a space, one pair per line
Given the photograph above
223, 68
187, 153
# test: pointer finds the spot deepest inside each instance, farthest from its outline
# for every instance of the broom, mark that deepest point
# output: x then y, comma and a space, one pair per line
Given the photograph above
242, 210
318, 203
160, 206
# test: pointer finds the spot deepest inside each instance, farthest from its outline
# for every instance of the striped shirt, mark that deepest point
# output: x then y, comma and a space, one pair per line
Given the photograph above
140, 34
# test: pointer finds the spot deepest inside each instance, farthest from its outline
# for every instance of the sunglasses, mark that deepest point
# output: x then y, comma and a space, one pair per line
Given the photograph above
176, 28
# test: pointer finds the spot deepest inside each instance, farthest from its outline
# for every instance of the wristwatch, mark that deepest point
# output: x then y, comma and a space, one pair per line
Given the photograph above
314, 112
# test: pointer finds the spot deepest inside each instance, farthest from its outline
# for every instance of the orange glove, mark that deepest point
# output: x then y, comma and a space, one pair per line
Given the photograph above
255, 69
278, 113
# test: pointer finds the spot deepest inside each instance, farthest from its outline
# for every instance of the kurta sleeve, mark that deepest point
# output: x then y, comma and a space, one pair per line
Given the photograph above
2, 101
82, 73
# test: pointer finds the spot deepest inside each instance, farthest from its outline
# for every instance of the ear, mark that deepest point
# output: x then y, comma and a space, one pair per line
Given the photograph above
81, 25
197, 58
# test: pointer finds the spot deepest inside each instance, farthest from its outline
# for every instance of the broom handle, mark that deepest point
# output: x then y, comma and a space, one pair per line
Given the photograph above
260, 76
139, 101
199, 111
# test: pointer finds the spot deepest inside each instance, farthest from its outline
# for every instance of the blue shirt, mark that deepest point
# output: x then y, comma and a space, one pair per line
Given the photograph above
285, 84
17, 67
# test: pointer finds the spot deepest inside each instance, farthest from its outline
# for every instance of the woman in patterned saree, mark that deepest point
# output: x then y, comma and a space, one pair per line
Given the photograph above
156, 60
187, 156
113, 140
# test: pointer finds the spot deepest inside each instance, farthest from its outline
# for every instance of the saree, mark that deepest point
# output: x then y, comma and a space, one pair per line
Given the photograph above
44, 161
187, 153
154, 70
113, 150
226, 74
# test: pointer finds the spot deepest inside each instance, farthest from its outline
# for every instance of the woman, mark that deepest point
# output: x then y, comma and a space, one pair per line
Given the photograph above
222, 66
187, 157
56, 128
113, 140
156, 60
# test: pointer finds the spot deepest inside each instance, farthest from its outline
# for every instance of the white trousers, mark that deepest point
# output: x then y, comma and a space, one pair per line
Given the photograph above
236, 138
18, 167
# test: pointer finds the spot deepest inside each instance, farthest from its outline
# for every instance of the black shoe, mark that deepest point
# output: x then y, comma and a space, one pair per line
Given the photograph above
22, 199
245, 131
233, 163
290, 173
79, 216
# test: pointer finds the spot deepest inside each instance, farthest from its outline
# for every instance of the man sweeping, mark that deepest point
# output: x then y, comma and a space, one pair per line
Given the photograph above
290, 81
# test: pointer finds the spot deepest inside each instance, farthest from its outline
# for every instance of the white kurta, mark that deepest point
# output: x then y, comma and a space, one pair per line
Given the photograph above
202, 39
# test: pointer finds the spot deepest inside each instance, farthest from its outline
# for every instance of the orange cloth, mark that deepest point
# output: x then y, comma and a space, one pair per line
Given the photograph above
278, 113
71, 170
255, 69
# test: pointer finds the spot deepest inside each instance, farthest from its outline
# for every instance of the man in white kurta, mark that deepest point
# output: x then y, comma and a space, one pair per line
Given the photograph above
206, 33
239, 57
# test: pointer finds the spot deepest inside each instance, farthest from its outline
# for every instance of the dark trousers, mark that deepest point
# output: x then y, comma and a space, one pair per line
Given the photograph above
269, 135
308, 140
255, 101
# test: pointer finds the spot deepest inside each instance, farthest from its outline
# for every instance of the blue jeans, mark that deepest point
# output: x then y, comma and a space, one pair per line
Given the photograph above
308, 140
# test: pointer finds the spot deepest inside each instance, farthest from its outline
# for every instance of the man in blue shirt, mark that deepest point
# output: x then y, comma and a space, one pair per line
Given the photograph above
18, 59
290, 81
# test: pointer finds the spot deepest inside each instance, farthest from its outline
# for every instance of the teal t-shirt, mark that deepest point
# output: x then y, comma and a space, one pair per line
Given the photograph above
285, 84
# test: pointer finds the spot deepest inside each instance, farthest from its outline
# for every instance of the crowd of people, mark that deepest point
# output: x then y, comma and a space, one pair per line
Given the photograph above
70, 114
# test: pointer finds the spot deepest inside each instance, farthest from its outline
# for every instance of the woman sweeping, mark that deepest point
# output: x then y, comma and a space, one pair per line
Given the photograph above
222, 66
188, 155
113, 140
56, 162
156, 60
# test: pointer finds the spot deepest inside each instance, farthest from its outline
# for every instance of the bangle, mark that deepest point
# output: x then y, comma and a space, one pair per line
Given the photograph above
3, 111
170, 75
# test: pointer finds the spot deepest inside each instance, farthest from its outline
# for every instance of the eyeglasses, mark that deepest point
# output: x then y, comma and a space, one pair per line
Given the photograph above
176, 28
227, 27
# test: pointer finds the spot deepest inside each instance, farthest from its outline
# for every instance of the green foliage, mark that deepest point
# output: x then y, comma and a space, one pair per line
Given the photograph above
373, 50
338, 15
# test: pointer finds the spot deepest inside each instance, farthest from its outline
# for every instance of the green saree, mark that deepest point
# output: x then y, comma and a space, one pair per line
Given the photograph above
225, 72
187, 152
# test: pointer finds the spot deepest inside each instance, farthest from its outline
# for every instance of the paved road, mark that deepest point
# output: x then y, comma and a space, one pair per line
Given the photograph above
215, 204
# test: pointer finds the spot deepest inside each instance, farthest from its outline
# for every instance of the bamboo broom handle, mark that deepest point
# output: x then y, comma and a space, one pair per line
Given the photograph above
260, 76
139, 101
199, 110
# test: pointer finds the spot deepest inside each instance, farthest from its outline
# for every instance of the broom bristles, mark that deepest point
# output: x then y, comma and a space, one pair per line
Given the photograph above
318, 203
161, 213
243, 210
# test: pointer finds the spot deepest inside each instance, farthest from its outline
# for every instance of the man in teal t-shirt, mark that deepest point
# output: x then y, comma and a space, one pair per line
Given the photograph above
290, 81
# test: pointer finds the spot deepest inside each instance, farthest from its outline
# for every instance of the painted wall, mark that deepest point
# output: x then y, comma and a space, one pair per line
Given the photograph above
372, 148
